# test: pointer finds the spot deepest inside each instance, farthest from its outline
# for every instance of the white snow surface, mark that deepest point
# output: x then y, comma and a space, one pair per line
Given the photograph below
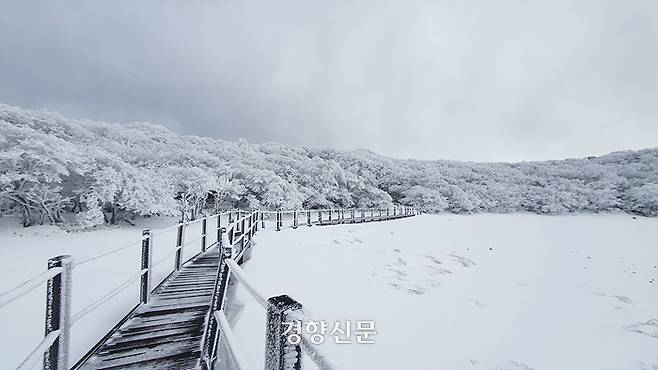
485, 291
553, 292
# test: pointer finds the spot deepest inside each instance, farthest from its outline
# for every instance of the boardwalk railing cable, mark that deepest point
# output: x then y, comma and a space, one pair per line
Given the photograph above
27, 286
234, 241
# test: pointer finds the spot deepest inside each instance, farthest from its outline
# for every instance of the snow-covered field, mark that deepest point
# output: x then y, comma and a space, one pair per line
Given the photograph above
483, 291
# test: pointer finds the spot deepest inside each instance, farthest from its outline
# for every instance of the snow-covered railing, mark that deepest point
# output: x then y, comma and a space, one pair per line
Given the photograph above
57, 278
235, 239
280, 353
54, 348
332, 216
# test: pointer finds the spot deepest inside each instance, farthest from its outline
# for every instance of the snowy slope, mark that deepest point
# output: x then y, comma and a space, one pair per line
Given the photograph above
491, 291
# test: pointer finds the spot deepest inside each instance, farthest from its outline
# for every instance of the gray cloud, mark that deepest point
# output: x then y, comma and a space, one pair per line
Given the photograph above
472, 80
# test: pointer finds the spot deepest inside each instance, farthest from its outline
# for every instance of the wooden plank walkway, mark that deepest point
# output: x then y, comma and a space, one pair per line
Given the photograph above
165, 333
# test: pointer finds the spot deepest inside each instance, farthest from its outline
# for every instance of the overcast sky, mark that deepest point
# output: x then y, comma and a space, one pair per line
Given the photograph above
466, 80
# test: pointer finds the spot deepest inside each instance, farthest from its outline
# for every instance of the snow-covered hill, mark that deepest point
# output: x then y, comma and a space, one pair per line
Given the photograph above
490, 291
51, 166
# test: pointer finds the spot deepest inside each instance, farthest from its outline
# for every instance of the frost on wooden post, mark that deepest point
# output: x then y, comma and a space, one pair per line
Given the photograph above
208, 345
58, 313
146, 263
279, 352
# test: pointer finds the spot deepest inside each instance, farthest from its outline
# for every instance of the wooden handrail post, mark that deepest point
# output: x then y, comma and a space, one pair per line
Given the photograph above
243, 243
147, 258
308, 218
278, 220
281, 353
179, 246
363, 217
247, 227
262, 219
331, 212
294, 219
210, 335
204, 224
243, 227
58, 313
219, 231
320, 217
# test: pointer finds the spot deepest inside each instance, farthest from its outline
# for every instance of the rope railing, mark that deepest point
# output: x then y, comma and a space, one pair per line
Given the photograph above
194, 240
82, 260
280, 352
312, 351
240, 276
163, 258
27, 286
231, 342
109, 295
33, 358
309, 348
59, 320
231, 231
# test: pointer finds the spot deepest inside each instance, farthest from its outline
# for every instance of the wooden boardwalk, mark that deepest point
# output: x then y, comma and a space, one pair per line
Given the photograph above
165, 333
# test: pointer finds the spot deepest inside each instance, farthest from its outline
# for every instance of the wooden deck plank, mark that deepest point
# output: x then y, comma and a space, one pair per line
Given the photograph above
166, 332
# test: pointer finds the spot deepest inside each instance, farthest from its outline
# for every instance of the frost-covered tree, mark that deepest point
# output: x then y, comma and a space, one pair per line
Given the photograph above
105, 173
644, 199
32, 167
191, 187
428, 200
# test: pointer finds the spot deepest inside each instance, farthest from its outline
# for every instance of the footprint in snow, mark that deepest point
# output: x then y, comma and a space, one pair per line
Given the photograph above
433, 259
644, 366
476, 302
648, 328
620, 298
623, 299
434, 270
398, 275
466, 262
416, 289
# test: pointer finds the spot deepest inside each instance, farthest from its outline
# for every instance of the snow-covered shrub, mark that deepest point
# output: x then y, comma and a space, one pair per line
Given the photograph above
645, 199
428, 200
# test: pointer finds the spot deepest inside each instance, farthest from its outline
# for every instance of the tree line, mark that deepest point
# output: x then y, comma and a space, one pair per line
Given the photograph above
54, 169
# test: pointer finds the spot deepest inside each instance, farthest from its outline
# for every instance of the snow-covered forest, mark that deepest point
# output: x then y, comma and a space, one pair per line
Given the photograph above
54, 169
